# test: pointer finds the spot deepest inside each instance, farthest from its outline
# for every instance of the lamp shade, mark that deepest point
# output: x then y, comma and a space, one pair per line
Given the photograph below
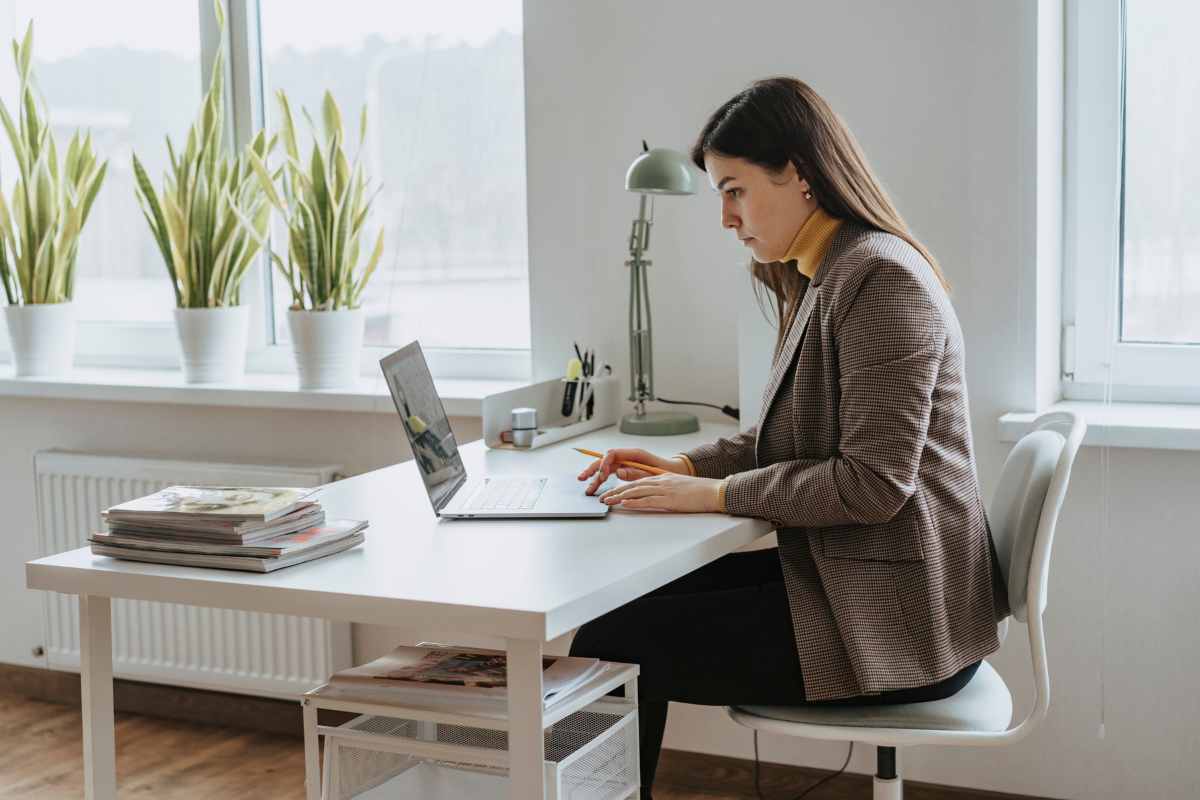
660, 171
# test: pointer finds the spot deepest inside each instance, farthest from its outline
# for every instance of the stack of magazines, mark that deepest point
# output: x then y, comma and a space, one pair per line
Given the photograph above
227, 527
447, 675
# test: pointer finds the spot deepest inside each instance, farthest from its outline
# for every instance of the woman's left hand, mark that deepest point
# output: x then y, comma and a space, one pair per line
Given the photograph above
667, 492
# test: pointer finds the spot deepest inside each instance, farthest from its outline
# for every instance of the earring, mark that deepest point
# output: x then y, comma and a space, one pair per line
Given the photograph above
807, 194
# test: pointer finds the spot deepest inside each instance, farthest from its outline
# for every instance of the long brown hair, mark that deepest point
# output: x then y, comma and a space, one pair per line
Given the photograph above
779, 121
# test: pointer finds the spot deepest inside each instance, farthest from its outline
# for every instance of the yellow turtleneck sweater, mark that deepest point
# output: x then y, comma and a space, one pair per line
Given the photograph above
807, 250
811, 242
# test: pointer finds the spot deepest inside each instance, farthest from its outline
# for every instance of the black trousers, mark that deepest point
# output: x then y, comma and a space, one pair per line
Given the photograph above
719, 636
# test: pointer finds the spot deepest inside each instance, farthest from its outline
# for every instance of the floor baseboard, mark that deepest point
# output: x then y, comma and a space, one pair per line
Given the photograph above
700, 773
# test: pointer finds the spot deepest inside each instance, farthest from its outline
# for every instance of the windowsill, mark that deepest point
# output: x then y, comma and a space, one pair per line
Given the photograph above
461, 397
1155, 426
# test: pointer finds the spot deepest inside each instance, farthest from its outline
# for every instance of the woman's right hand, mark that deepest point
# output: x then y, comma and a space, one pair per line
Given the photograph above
600, 469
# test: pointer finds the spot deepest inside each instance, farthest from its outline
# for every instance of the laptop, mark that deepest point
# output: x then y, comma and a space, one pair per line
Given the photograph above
453, 494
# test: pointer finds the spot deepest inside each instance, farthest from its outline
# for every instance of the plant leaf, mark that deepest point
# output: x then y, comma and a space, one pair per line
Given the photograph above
26, 51
289, 126
332, 116
370, 270
264, 179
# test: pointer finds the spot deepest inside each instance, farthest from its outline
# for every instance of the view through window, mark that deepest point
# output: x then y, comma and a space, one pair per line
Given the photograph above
1160, 280
444, 88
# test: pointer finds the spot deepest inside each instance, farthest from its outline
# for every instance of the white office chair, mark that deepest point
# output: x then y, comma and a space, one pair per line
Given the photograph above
1023, 514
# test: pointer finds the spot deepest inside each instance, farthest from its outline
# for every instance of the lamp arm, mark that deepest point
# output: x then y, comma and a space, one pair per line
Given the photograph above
648, 340
641, 368
647, 225
634, 360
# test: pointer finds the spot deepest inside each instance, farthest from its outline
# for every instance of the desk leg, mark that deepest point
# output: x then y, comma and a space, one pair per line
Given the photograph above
312, 764
96, 686
526, 751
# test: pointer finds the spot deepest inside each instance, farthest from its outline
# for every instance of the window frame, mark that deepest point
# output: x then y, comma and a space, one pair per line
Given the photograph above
1096, 364
153, 345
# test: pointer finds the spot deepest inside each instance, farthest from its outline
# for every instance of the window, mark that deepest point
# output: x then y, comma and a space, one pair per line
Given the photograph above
444, 84
446, 139
1133, 236
1161, 247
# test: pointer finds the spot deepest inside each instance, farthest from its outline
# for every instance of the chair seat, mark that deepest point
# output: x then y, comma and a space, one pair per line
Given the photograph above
982, 706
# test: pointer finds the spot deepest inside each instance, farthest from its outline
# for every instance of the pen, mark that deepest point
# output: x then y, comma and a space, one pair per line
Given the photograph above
591, 371
584, 387
634, 464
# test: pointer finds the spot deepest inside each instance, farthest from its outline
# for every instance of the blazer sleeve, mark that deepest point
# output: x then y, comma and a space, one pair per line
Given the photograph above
725, 456
890, 344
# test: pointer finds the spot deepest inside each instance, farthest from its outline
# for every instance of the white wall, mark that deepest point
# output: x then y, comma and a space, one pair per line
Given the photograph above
944, 97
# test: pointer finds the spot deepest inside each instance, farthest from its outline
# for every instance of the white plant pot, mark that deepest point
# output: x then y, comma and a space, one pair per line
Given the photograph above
328, 346
212, 343
42, 337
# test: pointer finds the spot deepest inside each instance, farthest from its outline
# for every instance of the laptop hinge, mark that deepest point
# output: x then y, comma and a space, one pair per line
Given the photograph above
446, 498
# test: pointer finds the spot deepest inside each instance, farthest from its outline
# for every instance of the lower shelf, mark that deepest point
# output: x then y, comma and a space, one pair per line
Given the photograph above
590, 755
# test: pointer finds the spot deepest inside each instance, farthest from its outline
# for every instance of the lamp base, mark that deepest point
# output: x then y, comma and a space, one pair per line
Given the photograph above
660, 423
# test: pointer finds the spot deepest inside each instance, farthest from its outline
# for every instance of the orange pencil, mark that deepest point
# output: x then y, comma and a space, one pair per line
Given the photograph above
634, 464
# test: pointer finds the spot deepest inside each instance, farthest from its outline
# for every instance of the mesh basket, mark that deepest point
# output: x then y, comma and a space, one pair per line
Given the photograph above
590, 755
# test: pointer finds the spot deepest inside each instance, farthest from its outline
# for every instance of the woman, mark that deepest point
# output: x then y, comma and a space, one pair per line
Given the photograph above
884, 587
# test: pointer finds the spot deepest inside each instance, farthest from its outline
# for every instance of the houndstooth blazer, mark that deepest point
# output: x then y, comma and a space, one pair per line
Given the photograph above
862, 458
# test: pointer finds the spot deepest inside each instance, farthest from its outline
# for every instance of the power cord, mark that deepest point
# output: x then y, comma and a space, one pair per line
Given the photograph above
809, 790
727, 410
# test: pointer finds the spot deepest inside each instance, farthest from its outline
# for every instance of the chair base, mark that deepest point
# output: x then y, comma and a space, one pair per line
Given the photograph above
887, 779
888, 789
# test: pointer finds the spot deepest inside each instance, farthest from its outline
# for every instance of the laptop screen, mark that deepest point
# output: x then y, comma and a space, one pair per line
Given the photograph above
425, 422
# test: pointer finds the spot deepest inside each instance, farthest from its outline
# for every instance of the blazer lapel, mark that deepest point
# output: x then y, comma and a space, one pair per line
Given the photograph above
788, 353
841, 240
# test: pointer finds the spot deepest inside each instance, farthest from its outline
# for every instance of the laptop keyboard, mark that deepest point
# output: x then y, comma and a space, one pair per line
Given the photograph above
507, 494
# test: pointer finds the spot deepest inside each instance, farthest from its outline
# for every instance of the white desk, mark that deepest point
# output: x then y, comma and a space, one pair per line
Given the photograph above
526, 581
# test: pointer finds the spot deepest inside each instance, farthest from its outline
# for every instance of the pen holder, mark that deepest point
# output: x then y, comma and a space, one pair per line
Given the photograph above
584, 389
547, 398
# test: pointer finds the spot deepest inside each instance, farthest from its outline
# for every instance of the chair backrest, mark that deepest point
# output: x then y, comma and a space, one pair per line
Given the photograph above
1024, 510
1023, 515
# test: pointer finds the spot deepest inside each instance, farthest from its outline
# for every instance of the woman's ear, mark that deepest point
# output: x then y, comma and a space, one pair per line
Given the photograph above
797, 168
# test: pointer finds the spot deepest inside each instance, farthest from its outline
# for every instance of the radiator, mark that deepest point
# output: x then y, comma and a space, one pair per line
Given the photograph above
207, 648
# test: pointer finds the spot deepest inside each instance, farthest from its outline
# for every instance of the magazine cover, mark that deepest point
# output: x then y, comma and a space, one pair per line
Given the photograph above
477, 672
219, 501
457, 668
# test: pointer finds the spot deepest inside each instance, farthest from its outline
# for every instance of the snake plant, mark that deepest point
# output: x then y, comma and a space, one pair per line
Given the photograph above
325, 208
40, 226
213, 215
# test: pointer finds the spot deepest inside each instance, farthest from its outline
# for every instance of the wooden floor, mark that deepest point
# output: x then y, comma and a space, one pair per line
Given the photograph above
41, 757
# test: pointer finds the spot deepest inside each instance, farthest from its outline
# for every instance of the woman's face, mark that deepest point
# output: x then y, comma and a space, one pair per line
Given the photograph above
765, 209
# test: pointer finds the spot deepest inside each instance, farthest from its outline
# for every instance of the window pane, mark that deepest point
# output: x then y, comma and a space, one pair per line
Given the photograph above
1161, 248
128, 71
446, 139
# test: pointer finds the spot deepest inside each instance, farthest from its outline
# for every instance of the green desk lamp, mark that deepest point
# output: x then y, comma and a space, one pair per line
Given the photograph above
657, 171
